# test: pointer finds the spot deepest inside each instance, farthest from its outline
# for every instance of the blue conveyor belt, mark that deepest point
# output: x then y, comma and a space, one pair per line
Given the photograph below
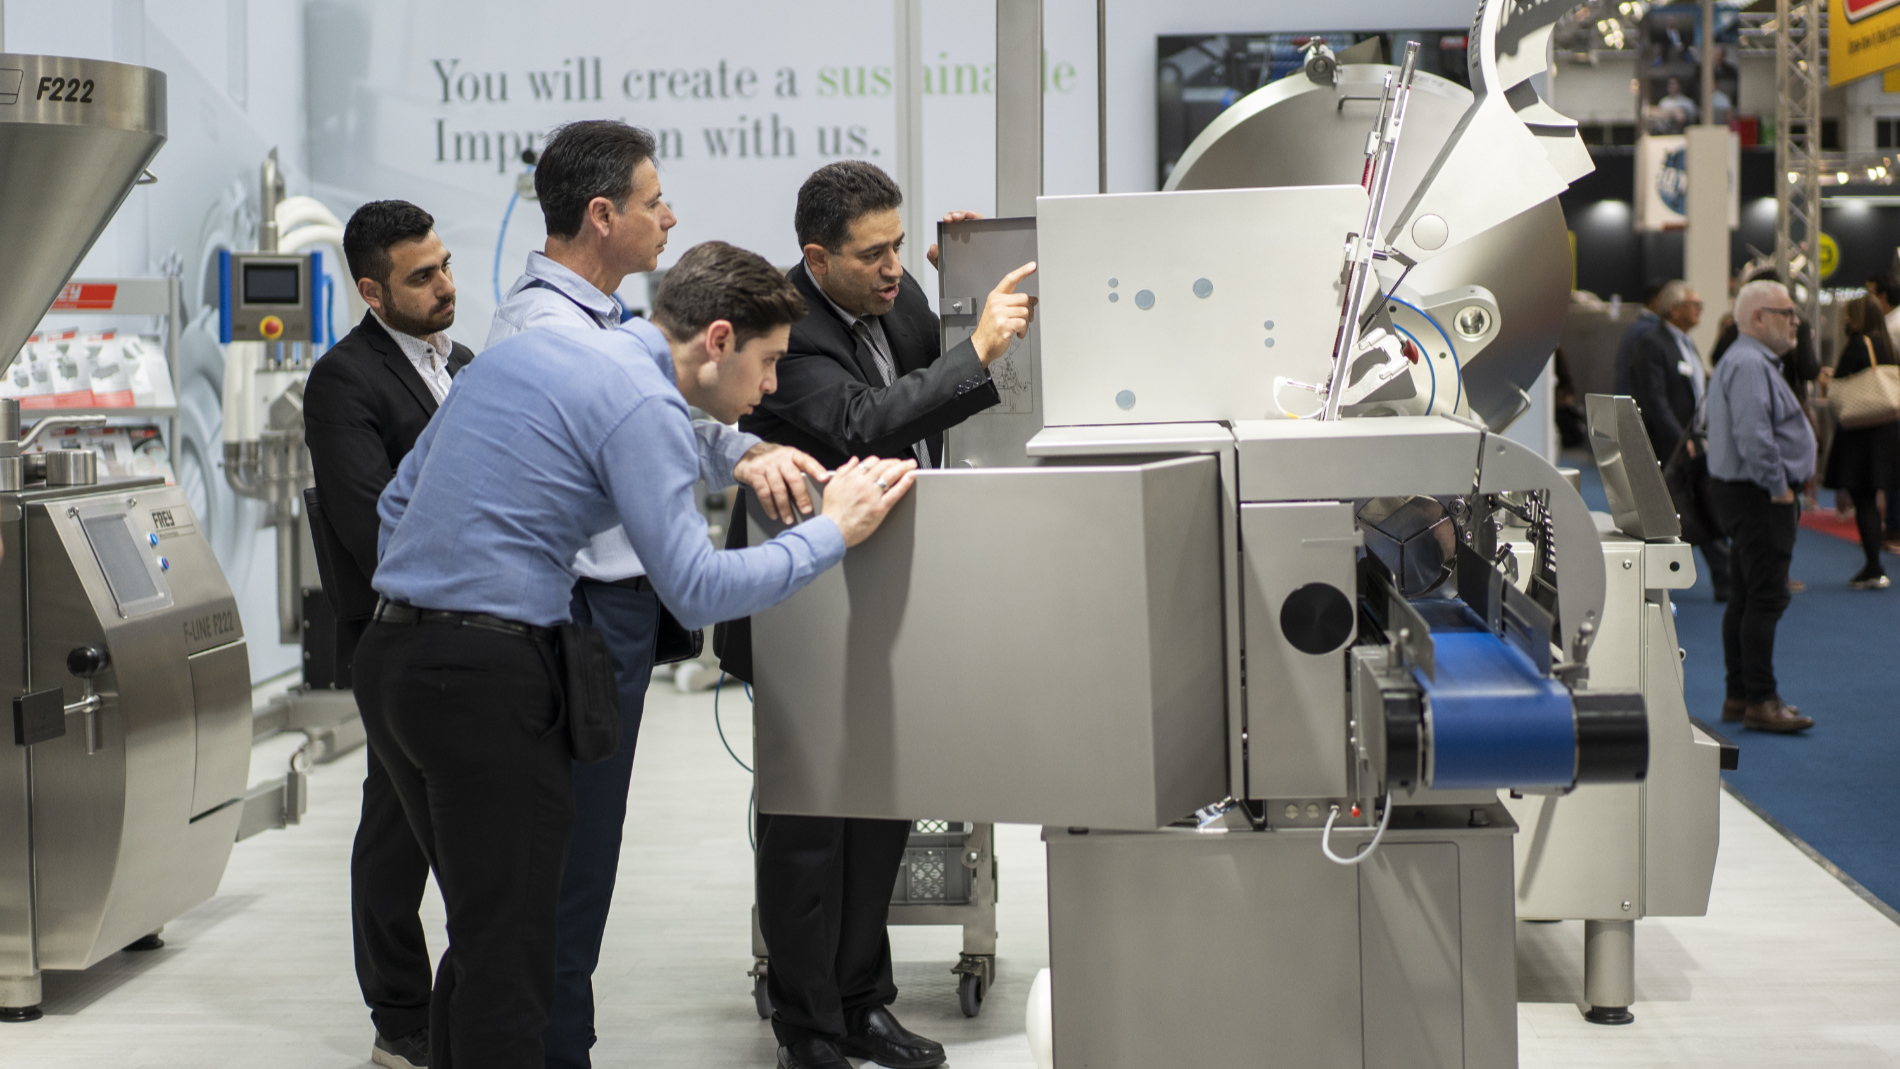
1494, 721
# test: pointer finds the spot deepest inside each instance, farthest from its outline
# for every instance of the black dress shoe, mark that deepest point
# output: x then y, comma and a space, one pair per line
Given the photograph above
881, 1039
815, 1053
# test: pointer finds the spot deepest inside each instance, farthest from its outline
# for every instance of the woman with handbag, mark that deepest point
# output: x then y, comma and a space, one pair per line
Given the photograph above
1864, 393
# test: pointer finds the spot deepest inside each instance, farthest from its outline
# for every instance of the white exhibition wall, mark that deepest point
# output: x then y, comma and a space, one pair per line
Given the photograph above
432, 100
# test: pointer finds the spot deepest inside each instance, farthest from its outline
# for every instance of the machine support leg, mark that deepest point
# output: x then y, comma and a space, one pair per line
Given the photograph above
19, 998
1609, 971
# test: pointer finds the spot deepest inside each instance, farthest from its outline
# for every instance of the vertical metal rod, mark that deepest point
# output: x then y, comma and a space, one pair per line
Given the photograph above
908, 70
1101, 96
1811, 181
1784, 141
1708, 62
1018, 106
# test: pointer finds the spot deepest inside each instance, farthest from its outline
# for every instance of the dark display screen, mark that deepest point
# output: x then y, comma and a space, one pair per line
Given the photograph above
272, 284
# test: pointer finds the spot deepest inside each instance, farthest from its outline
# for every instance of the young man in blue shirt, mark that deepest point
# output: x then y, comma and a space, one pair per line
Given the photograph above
606, 219
546, 440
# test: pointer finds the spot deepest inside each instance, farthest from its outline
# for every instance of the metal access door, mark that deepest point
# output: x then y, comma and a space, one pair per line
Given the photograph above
1033, 645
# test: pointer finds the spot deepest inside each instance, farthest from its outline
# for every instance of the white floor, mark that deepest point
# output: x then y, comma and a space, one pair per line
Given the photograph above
1789, 968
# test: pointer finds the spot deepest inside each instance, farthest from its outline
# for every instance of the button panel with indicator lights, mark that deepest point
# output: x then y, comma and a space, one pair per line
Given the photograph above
270, 297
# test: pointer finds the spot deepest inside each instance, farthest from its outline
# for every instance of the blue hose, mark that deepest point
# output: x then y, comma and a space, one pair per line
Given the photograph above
499, 238
717, 687
1459, 396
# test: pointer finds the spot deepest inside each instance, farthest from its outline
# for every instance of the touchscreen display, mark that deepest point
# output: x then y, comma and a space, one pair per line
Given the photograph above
119, 558
271, 283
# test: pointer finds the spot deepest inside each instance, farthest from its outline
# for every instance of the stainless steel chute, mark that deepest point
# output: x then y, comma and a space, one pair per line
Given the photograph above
75, 135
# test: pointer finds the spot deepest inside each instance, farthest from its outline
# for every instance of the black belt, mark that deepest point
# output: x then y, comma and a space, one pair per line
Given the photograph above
396, 612
638, 582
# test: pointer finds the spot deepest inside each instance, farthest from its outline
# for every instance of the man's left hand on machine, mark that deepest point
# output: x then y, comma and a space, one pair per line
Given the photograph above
773, 472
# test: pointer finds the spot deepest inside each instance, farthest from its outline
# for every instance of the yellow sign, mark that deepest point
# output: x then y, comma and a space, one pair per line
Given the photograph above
1863, 38
1890, 81
1830, 256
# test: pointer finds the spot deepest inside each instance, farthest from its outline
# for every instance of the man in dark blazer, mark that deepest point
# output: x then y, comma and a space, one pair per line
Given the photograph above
366, 401
1667, 378
864, 375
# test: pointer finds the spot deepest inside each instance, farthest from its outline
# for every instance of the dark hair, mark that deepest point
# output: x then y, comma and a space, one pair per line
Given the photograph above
376, 227
584, 160
1887, 286
837, 195
720, 281
1863, 319
1653, 289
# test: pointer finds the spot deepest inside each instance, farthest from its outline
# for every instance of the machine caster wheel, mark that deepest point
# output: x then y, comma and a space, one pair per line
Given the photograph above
150, 942
970, 994
761, 995
1609, 1015
19, 1014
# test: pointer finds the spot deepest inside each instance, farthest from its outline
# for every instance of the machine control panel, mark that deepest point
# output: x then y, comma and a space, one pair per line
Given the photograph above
127, 554
272, 297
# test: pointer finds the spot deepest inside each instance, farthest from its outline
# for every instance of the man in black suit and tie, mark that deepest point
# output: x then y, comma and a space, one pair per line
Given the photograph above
365, 403
864, 375
1668, 380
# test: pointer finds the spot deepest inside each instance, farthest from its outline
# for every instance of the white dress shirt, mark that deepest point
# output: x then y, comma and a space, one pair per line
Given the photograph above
548, 294
430, 355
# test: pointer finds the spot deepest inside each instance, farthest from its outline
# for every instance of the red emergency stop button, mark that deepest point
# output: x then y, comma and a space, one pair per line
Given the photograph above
271, 328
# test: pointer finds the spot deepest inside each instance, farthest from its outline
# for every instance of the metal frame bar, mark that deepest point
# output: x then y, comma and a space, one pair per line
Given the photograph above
1798, 32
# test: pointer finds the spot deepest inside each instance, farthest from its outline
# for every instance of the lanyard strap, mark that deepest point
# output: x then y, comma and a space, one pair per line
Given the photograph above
592, 316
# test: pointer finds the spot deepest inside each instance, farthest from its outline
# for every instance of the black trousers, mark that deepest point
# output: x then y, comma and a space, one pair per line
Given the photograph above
388, 872
627, 619
824, 893
483, 767
1761, 546
1867, 520
1715, 554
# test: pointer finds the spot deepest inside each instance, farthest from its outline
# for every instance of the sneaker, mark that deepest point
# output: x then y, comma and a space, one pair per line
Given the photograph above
409, 1052
1869, 579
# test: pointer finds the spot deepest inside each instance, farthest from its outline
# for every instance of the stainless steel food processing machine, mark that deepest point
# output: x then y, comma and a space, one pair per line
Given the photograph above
1245, 597
123, 782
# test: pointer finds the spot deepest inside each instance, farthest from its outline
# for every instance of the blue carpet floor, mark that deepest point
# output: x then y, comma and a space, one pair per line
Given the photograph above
1837, 656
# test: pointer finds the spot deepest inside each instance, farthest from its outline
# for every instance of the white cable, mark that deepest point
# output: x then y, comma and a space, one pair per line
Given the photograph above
1365, 852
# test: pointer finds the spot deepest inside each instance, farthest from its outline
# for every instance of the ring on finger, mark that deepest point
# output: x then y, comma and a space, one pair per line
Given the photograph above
882, 485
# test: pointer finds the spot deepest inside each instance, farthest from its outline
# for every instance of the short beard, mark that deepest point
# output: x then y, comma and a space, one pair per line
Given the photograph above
415, 326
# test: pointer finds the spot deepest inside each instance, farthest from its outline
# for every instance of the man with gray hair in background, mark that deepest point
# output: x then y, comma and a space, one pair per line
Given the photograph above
1761, 449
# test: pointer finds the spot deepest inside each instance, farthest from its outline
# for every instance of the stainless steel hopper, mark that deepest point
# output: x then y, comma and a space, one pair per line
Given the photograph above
75, 135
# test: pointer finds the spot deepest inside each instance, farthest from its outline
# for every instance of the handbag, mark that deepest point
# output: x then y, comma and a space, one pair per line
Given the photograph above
1688, 480
1866, 398
673, 643
590, 695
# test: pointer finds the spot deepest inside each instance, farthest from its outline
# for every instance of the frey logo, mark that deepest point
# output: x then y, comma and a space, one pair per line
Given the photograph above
162, 519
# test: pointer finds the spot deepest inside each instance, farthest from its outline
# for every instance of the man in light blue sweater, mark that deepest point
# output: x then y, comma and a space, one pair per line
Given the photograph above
1761, 450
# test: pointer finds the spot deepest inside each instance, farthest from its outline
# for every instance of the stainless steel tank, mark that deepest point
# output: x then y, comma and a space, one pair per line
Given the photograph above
123, 780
